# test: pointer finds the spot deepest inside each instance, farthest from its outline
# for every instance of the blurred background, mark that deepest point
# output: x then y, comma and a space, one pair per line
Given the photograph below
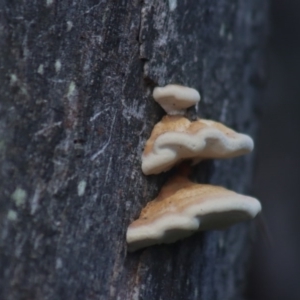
275, 272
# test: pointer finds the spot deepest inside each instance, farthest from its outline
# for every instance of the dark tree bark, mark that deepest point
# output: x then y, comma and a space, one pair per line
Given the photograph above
76, 79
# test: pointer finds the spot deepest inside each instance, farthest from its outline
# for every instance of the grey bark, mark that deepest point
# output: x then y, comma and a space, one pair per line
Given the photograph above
75, 111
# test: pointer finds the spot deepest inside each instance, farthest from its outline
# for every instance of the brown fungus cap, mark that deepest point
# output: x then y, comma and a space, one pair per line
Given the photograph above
175, 138
183, 207
174, 99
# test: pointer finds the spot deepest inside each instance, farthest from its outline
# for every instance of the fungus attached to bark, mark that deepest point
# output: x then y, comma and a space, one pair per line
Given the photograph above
175, 138
174, 99
183, 207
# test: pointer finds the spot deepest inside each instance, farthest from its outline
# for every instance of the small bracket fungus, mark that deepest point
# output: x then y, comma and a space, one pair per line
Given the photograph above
183, 207
175, 138
174, 99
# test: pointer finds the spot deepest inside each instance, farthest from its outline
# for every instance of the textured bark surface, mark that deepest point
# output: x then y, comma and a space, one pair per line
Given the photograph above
76, 79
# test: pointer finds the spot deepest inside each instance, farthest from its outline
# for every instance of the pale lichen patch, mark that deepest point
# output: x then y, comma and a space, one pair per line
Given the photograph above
12, 215
19, 196
136, 293
24, 90
34, 203
71, 90
49, 2
13, 79
58, 263
81, 188
57, 65
40, 69
222, 30
196, 293
135, 110
172, 4
69, 25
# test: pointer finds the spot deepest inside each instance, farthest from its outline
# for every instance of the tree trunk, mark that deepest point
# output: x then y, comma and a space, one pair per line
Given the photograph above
76, 79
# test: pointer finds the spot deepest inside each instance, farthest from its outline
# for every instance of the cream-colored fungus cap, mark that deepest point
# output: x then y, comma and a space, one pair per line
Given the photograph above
183, 207
175, 138
174, 99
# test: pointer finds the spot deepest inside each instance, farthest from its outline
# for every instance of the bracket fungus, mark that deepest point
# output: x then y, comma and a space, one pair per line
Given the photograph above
175, 138
174, 99
183, 207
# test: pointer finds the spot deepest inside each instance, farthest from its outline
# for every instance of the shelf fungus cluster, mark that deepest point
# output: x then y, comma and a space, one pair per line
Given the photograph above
183, 207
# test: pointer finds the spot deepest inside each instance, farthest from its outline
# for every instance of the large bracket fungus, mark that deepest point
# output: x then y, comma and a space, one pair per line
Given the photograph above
175, 138
183, 207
